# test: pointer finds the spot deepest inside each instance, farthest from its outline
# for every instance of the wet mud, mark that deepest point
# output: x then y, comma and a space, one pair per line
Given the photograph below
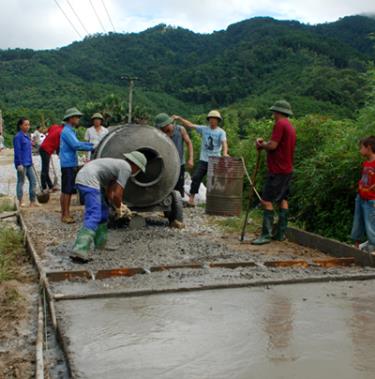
302, 331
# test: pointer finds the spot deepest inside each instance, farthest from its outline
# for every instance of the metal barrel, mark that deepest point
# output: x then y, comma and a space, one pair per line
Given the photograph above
224, 186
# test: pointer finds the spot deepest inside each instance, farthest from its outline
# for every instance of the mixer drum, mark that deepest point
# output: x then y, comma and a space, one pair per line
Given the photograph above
163, 163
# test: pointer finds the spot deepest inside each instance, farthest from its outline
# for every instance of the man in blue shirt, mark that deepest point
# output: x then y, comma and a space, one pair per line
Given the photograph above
69, 145
23, 161
214, 141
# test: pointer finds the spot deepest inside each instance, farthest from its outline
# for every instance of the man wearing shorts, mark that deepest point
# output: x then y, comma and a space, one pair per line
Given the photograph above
280, 154
69, 145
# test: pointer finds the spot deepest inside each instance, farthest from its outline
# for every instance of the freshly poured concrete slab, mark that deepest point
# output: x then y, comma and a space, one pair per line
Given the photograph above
301, 331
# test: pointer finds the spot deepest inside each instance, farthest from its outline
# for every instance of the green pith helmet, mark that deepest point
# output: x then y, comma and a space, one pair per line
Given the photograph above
214, 114
72, 112
97, 116
138, 159
283, 107
162, 119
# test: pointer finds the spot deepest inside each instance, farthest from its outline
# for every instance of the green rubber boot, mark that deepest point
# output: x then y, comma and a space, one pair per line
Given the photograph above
82, 245
101, 236
282, 225
266, 235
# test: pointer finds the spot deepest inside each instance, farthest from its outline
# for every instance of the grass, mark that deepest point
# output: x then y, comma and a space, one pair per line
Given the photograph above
235, 224
11, 252
6, 204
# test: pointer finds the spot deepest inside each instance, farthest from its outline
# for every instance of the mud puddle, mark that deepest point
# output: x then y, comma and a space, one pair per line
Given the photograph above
303, 331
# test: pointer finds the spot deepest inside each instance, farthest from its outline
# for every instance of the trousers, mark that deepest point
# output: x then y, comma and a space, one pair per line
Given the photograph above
364, 220
96, 208
29, 173
199, 173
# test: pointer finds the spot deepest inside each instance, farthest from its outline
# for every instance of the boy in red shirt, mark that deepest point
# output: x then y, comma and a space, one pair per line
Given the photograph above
280, 154
364, 214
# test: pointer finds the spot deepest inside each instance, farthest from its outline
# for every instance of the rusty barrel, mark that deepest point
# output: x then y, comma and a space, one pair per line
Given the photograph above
224, 186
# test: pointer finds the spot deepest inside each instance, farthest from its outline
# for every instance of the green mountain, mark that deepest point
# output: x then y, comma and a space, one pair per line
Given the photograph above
321, 68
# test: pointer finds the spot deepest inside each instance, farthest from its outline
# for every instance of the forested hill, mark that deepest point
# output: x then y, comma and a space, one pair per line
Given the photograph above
319, 67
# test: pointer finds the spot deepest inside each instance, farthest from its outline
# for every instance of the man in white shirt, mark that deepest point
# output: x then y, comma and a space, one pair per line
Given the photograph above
96, 132
37, 137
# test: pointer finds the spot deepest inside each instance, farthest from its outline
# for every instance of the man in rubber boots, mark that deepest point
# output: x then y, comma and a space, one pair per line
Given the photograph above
280, 154
179, 136
69, 145
214, 140
99, 182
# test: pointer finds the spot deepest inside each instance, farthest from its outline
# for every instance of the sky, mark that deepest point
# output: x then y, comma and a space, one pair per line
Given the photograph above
49, 24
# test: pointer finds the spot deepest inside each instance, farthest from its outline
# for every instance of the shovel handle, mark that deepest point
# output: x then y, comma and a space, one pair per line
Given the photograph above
251, 194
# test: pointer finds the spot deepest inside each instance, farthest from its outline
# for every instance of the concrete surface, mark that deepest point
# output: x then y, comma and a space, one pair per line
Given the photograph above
302, 331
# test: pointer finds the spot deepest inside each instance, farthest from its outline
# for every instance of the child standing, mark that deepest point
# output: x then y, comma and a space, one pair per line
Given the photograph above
364, 214
23, 161
214, 141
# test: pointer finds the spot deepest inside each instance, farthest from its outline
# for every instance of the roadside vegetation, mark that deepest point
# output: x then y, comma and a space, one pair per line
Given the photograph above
12, 253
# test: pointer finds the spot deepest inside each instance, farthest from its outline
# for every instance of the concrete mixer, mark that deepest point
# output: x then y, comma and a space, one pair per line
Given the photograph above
153, 190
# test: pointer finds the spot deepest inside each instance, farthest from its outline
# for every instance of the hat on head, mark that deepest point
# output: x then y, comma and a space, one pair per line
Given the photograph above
138, 159
214, 114
162, 120
72, 112
97, 116
283, 107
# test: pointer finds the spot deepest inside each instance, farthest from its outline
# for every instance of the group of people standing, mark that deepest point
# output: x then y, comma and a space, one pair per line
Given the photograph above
53, 143
97, 174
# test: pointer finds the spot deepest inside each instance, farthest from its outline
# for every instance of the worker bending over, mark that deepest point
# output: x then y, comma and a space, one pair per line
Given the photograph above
280, 154
102, 182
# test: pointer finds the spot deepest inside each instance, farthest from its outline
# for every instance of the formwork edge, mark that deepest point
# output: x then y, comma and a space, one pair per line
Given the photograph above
329, 246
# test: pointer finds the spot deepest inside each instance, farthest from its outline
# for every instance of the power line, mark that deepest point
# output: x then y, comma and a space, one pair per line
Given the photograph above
97, 16
78, 18
67, 18
109, 16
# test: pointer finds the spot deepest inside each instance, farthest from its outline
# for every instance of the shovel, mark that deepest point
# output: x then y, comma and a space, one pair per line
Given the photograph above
253, 191
55, 179
43, 197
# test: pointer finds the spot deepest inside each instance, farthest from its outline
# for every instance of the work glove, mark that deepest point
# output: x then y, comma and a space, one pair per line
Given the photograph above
123, 212
20, 169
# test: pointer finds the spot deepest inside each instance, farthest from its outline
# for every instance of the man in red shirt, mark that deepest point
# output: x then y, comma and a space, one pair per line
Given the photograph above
280, 154
364, 214
50, 145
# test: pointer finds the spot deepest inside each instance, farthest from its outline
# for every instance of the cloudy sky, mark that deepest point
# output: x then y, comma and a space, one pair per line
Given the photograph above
42, 24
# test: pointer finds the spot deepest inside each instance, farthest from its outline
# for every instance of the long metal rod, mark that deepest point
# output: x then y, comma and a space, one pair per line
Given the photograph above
58, 276
131, 87
219, 286
43, 281
39, 371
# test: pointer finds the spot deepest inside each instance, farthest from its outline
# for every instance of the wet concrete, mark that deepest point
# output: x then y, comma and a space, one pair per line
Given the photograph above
302, 331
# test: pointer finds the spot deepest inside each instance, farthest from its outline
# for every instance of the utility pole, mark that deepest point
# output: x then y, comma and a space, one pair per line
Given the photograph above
1, 122
131, 80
